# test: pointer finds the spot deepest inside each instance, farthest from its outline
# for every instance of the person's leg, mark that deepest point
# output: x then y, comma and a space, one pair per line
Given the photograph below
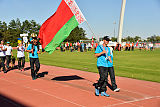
32, 61
19, 63
103, 88
37, 63
3, 63
7, 58
104, 76
112, 77
100, 81
23, 62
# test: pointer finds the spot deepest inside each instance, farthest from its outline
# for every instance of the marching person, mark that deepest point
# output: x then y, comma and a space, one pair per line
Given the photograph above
111, 72
103, 58
21, 56
8, 54
3, 50
33, 55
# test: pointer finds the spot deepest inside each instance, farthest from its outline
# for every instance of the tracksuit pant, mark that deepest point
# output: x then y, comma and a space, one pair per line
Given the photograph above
3, 62
34, 61
103, 80
21, 62
8, 58
112, 77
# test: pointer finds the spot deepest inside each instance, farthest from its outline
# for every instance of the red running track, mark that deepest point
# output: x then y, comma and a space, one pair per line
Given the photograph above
62, 87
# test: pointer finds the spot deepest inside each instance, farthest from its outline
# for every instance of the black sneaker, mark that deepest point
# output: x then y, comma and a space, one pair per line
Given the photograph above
5, 71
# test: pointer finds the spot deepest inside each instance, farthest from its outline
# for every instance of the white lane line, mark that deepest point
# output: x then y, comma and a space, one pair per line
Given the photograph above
130, 102
46, 93
135, 93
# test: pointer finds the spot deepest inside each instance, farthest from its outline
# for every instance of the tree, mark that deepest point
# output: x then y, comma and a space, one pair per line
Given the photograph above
76, 35
153, 38
13, 30
114, 39
136, 38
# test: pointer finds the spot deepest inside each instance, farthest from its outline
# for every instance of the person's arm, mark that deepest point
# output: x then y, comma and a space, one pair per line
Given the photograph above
11, 52
99, 54
39, 52
109, 55
4, 49
110, 59
29, 49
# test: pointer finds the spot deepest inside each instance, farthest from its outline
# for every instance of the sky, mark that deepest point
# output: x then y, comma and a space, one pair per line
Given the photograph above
142, 17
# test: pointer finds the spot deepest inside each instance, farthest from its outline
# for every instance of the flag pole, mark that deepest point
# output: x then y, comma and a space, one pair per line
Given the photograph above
92, 30
119, 39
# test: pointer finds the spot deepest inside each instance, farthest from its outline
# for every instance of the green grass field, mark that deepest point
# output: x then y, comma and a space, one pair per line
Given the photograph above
143, 65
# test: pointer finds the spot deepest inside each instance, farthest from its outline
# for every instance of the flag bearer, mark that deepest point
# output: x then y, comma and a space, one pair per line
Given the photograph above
33, 55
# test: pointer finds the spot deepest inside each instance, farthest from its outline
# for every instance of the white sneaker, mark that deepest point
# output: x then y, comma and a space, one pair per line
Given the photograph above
117, 90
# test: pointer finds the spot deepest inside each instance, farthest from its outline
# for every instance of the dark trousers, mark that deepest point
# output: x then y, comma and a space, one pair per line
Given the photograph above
132, 48
37, 64
112, 77
8, 58
2, 62
103, 80
21, 62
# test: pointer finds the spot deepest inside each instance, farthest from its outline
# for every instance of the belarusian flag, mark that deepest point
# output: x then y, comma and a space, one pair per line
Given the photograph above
58, 27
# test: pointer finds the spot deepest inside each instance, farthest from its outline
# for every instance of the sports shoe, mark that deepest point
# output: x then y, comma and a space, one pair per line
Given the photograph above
5, 71
116, 90
104, 94
96, 92
33, 78
22, 69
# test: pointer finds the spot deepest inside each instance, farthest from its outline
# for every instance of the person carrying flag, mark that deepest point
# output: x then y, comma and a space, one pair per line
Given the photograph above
34, 59
103, 58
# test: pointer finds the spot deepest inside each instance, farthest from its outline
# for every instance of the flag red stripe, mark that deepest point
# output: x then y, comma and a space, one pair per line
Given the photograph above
52, 25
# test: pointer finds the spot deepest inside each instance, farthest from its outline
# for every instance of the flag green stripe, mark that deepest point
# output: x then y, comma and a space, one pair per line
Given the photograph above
61, 35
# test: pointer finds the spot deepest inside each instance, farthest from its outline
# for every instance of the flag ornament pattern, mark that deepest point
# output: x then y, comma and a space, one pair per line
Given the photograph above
58, 27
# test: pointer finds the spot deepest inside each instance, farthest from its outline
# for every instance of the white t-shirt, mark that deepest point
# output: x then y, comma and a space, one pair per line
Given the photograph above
2, 53
20, 52
9, 50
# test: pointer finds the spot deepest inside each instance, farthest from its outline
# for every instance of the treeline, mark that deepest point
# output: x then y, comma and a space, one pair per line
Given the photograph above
136, 38
13, 30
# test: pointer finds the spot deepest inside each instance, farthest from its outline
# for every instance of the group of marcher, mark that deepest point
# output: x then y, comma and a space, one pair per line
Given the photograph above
103, 53
129, 47
6, 57
77, 46
146, 46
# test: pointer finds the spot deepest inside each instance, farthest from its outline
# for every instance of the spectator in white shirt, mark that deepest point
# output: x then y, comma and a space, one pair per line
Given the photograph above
3, 50
8, 54
21, 56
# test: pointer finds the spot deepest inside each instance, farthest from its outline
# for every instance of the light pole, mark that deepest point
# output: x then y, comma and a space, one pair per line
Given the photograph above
121, 21
114, 29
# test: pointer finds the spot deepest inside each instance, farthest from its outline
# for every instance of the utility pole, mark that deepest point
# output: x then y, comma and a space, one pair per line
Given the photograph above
114, 29
121, 21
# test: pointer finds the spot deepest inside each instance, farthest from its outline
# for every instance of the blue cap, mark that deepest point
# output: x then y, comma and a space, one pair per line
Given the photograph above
8, 42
